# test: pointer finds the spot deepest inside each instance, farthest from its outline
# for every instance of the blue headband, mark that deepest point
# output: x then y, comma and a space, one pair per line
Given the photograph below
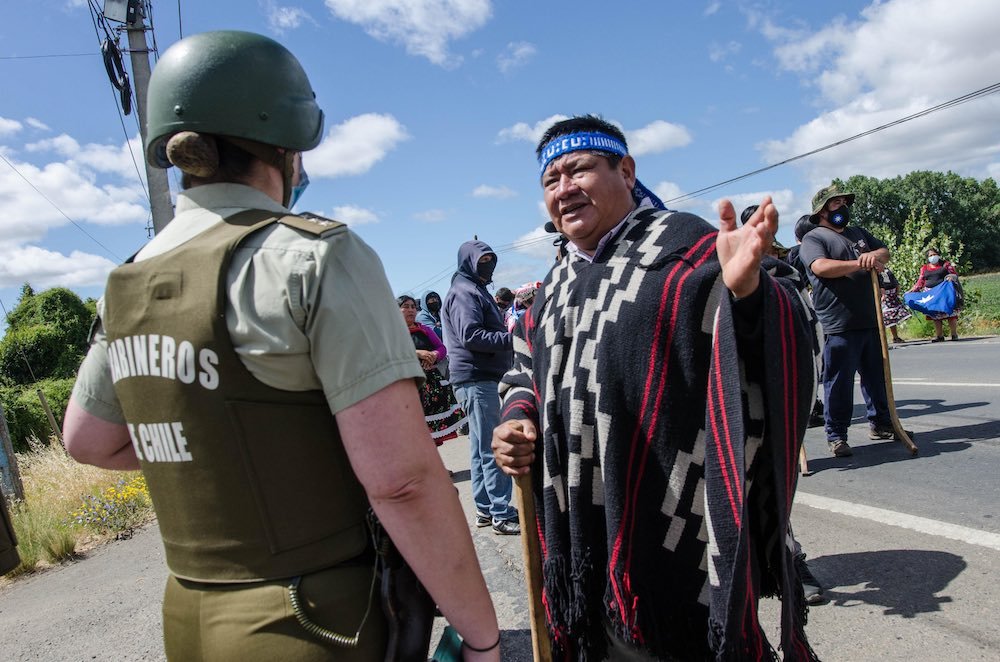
574, 142
594, 140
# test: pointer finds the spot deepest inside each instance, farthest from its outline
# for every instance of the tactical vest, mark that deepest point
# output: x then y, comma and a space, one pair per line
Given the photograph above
249, 482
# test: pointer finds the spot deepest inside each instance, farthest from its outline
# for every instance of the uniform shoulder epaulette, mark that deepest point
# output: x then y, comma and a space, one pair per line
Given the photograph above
311, 223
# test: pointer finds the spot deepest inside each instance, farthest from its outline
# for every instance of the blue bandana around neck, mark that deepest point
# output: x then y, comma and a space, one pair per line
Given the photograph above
595, 141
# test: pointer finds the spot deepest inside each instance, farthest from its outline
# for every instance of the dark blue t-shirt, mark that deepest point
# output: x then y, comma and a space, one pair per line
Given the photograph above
845, 303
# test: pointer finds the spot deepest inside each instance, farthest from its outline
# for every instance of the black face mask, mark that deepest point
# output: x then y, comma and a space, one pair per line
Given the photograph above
433, 306
840, 217
485, 270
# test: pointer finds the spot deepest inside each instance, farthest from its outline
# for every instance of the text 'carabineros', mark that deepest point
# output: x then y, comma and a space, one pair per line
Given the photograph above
155, 355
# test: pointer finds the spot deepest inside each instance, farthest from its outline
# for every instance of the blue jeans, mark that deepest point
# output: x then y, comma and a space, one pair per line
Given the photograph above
858, 351
491, 487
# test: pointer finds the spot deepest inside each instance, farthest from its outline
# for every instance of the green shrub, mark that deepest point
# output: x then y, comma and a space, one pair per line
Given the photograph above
24, 412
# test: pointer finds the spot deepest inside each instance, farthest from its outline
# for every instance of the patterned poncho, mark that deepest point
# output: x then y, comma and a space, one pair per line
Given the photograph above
670, 433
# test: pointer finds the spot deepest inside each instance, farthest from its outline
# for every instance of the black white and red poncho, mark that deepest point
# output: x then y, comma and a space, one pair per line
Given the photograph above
670, 419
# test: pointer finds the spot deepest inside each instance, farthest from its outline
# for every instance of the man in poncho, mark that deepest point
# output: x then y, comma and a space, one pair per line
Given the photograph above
667, 380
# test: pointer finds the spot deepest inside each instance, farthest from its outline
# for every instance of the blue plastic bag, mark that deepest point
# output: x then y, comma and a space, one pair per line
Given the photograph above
939, 300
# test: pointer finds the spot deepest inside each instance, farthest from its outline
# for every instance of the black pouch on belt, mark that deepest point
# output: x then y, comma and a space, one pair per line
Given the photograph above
408, 607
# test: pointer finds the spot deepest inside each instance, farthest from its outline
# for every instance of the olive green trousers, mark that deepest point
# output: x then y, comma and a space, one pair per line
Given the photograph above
220, 622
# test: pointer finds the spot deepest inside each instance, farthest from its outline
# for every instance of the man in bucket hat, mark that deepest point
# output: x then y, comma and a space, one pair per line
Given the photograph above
838, 257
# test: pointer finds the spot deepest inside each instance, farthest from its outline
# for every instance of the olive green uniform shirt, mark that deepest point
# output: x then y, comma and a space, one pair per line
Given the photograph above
303, 313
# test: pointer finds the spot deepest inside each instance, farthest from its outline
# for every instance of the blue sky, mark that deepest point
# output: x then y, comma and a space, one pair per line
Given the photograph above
433, 107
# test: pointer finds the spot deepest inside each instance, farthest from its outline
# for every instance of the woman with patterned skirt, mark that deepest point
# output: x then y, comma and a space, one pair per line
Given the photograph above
894, 311
441, 411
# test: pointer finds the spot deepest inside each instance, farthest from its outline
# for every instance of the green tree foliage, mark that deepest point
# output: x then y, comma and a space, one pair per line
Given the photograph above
45, 342
46, 336
963, 208
909, 249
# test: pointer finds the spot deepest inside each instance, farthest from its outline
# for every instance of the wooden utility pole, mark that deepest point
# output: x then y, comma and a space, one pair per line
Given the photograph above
156, 178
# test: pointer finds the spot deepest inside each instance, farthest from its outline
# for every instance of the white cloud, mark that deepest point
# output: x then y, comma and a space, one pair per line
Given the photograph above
712, 8
537, 243
667, 191
355, 146
486, 191
517, 54
655, 137
125, 160
25, 215
354, 215
37, 124
543, 212
431, 215
897, 58
993, 170
9, 127
283, 18
424, 27
783, 201
93, 183
527, 132
45, 268
718, 52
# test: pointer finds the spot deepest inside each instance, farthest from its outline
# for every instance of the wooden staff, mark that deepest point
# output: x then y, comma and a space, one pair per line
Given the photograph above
897, 427
540, 647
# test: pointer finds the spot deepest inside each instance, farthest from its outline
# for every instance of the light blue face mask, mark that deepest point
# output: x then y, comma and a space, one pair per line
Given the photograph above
299, 188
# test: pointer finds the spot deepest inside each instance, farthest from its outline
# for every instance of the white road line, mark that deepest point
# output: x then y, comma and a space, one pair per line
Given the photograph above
915, 382
891, 517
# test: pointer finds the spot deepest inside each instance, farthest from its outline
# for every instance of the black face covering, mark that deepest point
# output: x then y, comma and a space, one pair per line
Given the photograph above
840, 217
433, 306
485, 270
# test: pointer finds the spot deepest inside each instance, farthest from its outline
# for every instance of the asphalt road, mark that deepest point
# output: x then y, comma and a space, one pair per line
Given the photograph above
907, 547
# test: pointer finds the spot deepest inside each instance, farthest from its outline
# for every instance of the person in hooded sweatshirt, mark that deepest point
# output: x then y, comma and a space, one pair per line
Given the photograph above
430, 312
480, 351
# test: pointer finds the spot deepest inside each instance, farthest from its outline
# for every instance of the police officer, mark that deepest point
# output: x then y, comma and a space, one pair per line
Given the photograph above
252, 363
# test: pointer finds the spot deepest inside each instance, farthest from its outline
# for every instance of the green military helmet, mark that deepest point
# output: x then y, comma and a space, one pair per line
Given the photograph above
231, 83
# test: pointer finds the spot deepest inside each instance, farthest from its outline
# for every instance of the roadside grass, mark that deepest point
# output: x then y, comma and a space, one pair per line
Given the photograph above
69, 507
980, 317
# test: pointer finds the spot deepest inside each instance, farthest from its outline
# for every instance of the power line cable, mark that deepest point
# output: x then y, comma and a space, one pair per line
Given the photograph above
57, 208
121, 119
989, 89
49, 55
971, 96
180, 23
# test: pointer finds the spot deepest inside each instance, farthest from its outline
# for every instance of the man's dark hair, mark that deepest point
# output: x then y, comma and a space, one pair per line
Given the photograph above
505, 295
584, 123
